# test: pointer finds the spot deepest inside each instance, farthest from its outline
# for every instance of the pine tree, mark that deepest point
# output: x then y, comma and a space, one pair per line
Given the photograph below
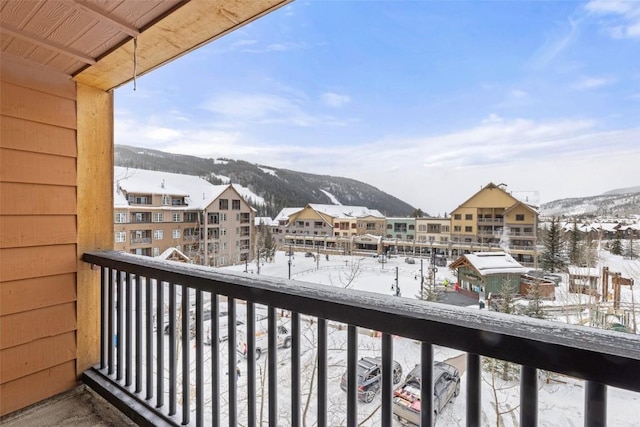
551, 258
616, 247
574, 245
534, 309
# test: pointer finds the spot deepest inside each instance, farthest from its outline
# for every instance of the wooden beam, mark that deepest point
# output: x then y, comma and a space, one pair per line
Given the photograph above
101, 15
192, 25
56, 47
95, 212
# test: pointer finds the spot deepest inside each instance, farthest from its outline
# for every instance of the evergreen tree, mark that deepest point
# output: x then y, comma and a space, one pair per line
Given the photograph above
417, 213
551, 258
631, 249
616, 247
574, 245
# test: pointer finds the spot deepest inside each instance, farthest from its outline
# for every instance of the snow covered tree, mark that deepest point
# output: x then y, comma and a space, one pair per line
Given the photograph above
551, 258
616, 247
631, 249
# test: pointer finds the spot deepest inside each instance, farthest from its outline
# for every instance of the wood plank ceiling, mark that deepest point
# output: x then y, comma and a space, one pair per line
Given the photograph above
93, 40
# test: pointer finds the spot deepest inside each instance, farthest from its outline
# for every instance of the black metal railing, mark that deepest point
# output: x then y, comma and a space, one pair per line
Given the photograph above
153, 315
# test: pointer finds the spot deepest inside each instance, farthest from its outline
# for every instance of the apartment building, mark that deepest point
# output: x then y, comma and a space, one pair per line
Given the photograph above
433, 230
492, 219
401, 229
154, 211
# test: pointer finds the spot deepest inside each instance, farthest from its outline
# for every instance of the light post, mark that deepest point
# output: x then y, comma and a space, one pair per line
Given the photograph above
289, 262
397, 285
421, 280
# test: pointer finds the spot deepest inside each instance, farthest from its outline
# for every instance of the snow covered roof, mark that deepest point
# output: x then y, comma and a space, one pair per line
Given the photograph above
172, 253
342, 211
198, 192
265, 220
487, 263
285, 213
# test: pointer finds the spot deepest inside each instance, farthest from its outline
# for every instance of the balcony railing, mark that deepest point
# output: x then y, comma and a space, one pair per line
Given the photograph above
140, 374
140, 240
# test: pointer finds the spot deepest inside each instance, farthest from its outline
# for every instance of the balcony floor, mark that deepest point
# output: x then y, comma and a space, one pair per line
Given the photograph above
79, 407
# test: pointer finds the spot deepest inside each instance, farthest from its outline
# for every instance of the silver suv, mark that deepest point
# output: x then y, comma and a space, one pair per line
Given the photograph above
369, 377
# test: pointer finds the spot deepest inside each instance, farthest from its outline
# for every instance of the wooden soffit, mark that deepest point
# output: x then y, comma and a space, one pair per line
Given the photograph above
188, 27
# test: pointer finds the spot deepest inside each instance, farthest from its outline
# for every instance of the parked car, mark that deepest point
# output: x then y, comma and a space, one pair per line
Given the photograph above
410, 260
369, 377
261, 339
406, 398
308, 254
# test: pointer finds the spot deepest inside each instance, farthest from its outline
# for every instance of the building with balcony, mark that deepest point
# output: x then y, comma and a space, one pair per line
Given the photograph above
154, 211
493, 219
74, 311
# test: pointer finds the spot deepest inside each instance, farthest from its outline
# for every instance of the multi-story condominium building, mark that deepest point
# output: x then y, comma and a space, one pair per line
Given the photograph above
371, 224
326, 226
211, 224
492, 219
400, 228
433, 230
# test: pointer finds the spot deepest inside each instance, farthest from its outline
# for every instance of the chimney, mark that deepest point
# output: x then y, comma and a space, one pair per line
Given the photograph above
162, 184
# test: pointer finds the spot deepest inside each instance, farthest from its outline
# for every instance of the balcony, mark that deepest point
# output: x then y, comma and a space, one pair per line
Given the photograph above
141, 240
140, 374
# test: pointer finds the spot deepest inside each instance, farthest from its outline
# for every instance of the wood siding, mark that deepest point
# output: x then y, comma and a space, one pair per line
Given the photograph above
38, 235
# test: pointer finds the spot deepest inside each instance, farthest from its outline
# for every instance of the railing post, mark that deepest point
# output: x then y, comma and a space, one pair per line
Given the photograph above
186, 410
173, 357
215, 360
528, 396
296, 421
322, 372
387, 379
199, 360
473, 389
595, 404
426, 384
110, 319
159, 344
273, 366
352, 376
231, 351
251, 364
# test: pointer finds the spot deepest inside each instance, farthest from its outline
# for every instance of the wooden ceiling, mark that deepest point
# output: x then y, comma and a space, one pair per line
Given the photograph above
102, 43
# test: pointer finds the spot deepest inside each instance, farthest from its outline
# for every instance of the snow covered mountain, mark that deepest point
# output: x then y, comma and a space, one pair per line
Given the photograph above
622, 202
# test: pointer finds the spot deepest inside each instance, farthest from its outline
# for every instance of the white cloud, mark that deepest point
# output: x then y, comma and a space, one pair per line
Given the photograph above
585, 83
518, 94
335, 100
493, 118
556, 44
162, 134
623, 17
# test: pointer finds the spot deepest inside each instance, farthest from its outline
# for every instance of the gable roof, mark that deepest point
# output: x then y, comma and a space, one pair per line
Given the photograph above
489, 263
343, 211
198, 193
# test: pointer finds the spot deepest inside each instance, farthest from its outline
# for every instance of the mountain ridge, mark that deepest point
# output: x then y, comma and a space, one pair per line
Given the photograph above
279, 188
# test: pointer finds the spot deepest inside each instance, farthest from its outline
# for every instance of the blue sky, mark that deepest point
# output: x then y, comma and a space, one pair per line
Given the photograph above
426, 100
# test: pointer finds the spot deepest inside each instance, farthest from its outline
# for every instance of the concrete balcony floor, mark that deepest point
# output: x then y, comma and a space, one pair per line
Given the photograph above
79, 407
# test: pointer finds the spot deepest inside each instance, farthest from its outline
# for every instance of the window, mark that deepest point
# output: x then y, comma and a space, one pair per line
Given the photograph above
519, 217
177, 217
156, 251
389, 227
235, 205
176, 234
412, 227
166, 200
422, 227
121, 236
120, 217
158, 217
456, 228
158, 234
223, 217
457, 216
223, 246
223, 231
191, 217
224, 204
468, 217
468, 229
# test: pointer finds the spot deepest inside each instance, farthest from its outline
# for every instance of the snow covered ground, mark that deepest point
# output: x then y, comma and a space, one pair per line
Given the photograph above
561, 399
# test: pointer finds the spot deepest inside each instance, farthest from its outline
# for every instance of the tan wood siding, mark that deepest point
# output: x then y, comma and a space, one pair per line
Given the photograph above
38, 386
36, 199
38, 250
31, 230
43, 168
20, 134
29, 294
37, 261
28, 326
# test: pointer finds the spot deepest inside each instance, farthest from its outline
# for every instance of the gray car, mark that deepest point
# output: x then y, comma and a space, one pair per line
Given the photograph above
406, 398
